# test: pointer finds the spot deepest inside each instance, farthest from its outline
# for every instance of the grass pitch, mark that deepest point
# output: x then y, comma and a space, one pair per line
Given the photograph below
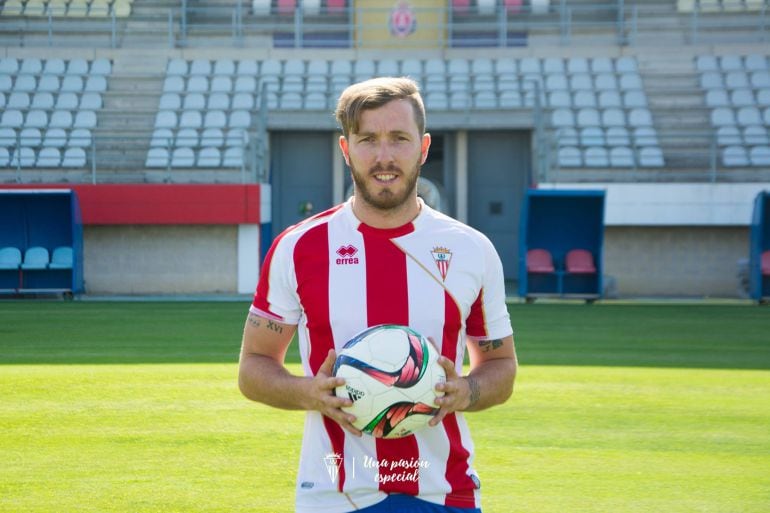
134, 407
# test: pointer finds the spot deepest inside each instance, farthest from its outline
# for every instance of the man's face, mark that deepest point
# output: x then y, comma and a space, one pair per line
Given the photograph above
386, 154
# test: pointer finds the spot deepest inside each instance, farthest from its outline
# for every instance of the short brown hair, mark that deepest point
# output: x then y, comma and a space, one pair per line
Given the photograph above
374, 93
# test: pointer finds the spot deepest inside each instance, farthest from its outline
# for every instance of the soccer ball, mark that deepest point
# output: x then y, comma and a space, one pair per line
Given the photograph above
390, 373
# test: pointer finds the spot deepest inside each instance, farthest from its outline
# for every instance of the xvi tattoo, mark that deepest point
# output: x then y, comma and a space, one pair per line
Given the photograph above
258, 321
274, 327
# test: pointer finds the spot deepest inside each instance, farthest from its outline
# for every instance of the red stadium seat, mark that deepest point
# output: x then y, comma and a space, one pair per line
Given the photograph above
286, 6
461, 6
765, 263
335, 6
580, 261
539, 261
513, 6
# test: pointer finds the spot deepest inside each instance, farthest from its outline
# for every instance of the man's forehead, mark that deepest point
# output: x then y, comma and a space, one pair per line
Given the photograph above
394, 116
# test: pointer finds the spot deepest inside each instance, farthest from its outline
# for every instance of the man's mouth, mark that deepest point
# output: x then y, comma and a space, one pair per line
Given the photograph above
385, 177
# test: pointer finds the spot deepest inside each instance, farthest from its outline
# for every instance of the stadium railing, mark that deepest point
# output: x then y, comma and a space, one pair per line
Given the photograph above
237, 24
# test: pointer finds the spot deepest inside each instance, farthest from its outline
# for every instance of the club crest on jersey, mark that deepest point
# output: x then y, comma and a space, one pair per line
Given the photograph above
332, 461
347, 255
442, 256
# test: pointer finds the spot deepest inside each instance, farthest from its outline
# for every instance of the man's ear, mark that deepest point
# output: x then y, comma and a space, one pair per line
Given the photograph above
345, 149
424, 147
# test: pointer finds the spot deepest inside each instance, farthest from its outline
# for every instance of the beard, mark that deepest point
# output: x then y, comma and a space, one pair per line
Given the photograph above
386, 198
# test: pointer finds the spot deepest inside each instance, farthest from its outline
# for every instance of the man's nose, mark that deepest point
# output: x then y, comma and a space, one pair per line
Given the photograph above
384, 152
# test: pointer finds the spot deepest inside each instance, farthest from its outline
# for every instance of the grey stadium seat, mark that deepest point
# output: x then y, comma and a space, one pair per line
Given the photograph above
74, 157
247, 68
48, 157
621, 156
651, 156
209, 157
182, 157
760, 156
596, 156
735, 156
569, 156
157, 157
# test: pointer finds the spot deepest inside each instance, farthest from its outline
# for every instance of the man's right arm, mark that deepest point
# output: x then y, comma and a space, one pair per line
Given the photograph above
263, 377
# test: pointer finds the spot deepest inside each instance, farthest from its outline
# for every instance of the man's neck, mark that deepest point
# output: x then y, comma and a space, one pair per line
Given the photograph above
386, 219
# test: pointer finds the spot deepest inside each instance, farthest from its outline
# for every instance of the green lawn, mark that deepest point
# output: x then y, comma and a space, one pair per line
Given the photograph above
133, 407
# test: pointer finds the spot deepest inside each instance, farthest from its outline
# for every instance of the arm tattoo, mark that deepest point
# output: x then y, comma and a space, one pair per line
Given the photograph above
490, 345
475, 390
256, 321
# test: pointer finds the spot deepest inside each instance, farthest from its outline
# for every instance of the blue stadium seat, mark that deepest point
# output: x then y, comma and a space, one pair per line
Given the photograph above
10, 258
35, 257
61, 258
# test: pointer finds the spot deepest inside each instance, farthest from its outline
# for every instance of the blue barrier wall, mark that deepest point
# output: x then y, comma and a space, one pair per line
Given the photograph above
559, 221
759, 285
41, 218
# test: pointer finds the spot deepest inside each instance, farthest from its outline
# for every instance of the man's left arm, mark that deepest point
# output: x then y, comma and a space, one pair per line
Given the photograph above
489, 382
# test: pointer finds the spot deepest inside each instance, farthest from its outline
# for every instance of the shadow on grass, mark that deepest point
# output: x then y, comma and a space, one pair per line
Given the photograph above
643, 335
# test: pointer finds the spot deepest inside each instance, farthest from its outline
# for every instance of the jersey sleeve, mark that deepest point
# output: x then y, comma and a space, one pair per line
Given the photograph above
489, 317
276, 296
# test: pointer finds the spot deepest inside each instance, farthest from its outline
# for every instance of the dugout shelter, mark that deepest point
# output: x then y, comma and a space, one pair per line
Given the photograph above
759, 251
41, 242
561, 244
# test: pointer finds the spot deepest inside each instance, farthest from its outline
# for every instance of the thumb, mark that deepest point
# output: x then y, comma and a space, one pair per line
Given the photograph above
328, 365
448, 366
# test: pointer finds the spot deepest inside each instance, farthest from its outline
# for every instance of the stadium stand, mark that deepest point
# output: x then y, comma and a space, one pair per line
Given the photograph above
604, 100
596, 106
737, 88
70, 8
46, 116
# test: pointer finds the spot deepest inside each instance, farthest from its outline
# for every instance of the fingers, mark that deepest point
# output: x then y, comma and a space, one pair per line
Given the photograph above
449, 370
455, 392
334, 411
332, 404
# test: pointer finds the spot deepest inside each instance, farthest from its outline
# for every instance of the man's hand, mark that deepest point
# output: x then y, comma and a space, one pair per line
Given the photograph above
458, 392
321, 397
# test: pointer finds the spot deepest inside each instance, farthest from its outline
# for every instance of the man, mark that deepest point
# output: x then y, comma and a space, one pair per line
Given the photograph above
381, 257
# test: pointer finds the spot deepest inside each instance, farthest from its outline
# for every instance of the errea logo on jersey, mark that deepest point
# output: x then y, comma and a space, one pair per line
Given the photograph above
347, 255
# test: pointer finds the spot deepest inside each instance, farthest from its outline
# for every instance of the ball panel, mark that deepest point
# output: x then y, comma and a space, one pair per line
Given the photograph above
390, 374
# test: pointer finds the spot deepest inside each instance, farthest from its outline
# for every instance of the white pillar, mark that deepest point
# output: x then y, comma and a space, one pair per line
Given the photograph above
338, 171
248, 258
461, 175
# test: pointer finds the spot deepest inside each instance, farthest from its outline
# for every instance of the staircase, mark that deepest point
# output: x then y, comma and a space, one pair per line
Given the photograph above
677, 105
127, 118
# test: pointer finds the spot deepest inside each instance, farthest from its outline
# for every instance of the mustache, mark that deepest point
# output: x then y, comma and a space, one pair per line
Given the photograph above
379, 168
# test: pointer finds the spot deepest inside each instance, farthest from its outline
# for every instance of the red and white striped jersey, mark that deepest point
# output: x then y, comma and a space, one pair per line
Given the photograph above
334, 276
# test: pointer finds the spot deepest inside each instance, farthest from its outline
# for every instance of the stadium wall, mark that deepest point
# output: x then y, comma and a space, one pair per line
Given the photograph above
170, 239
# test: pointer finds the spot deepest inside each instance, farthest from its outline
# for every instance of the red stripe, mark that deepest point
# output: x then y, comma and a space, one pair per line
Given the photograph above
457, 463
311, 264
476, 324
387, 301
263, 286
